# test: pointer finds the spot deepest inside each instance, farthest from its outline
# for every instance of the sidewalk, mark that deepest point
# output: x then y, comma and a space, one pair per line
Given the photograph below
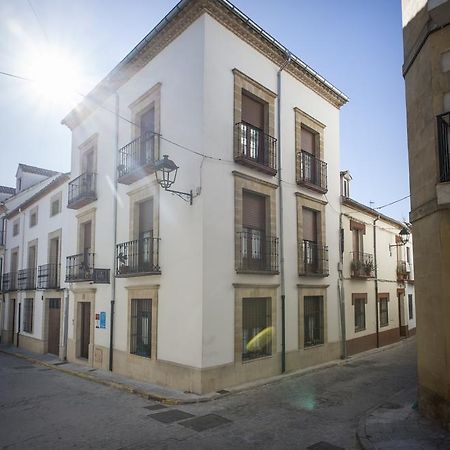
397, 425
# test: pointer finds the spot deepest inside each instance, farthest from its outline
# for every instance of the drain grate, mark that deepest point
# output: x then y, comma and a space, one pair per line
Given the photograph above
155, 407
173, 415
23, 367
223, 392
324, 446
207, 422
59, 363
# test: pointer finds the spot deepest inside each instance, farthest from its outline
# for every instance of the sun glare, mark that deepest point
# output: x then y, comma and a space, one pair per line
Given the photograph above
56, 76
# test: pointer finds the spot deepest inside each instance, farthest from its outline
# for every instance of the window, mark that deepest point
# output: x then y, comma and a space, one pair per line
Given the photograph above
410, 306
257, 328
408, 255
33, 217
313, 320
141, 327
28, 315
310, 240
16, 228
55, 207
384, 314
359, 302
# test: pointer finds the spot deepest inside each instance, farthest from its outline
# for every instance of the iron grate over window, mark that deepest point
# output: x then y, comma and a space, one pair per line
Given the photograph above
28, 315
384, 314
313, 320
141, 327
443, 129
360, 314
257, 328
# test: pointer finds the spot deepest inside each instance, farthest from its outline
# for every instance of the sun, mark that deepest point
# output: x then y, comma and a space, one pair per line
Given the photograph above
55, 74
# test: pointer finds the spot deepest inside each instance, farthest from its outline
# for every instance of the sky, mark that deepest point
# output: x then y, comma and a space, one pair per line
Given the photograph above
355, 44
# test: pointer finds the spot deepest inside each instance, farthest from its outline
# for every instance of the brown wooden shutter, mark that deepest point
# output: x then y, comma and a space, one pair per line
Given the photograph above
252, 112
308, 140
31, 257
87, 236
254, 211
145, 216
309, 225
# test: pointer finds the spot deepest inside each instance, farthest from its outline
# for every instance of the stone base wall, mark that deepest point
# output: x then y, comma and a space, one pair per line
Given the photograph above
32, 344
434, 406
369, 341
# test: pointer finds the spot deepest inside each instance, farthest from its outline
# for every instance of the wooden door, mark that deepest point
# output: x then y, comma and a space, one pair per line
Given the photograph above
12, 314
85, 329
54, 325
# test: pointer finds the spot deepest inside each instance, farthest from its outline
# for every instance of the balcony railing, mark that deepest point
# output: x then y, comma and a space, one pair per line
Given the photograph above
255, 149
138, 257
9, 282
443, 126
81, 268
26, 279
137, 159
48, 276
403, 270
256, 252
82, 190
313, 259
362, 265
311, 172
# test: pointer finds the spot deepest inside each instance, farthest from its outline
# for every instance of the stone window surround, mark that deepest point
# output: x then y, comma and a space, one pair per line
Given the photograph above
149, 191
34, 210
305, 290
144, 292
360, 296
86, 295
148, 100
82, 218
305, 201
242, 83
243, 182
242, 291
54, 198
304, 120
89, 144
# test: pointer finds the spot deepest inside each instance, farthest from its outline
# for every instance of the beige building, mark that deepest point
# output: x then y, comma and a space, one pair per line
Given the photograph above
426, 69
377, 275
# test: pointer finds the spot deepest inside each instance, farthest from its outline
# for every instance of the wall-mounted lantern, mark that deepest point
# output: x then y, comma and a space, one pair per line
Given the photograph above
166, 174
404, 238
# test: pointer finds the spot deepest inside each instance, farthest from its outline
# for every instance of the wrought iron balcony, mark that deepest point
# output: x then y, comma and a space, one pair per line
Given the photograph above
48, 276
82, 190
81, 268
313, 259
443, 125
311, 172
138, 257
362, 265
26, 279
256, 252
403, 270
137, 159
255, 149
9, 282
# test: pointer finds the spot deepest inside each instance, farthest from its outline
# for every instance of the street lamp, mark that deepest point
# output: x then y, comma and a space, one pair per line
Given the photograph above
166, 174
404, 238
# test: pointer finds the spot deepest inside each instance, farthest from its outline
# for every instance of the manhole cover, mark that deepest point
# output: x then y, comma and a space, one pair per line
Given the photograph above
203, 423
155, 407
173, 415
324, 446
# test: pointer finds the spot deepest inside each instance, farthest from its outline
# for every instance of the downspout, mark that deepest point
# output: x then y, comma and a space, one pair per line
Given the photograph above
113, 281
280, 201
341, 291
66, 323
376, 279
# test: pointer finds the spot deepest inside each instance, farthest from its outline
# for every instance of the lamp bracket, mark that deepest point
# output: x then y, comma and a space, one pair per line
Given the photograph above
186, 196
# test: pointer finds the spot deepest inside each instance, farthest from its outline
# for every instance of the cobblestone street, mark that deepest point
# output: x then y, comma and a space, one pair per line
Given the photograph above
44, 408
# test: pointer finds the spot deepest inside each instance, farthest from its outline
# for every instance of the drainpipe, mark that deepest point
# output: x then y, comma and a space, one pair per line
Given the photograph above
113, 281
66, 323
341, 291
280, 201
376, 279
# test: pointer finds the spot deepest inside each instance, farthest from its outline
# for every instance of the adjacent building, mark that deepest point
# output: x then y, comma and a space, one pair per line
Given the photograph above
426, 69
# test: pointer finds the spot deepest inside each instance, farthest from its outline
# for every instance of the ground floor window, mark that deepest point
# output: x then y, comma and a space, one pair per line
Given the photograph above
257, 330
384, 314
141, 327
28, 315
360, 313
410, 306
313, 320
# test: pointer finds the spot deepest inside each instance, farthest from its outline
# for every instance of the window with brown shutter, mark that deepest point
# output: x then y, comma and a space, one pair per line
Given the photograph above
254, 211
252, 111
309, 225
308, 141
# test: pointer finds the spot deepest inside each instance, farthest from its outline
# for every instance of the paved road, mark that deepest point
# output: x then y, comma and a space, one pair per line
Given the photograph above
43, 408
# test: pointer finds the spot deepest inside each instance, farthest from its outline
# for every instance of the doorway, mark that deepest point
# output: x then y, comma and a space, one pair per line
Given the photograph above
85, 329
402, 324
54, 325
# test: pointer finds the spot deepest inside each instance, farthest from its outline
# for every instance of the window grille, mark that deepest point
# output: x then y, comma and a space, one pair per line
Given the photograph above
141, 327
28, 315
313, 320
384, 315
360, 314
410, 306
